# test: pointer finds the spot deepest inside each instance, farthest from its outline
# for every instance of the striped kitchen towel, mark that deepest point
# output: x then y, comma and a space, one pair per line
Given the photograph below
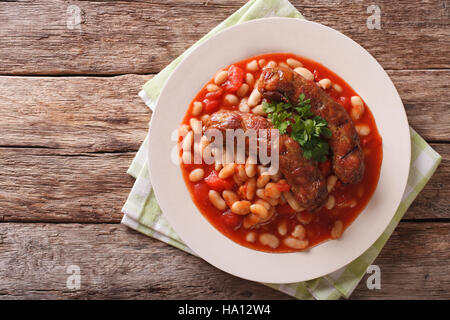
142, 213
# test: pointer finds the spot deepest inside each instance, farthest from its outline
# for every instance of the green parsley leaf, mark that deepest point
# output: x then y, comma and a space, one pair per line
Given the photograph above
310, 131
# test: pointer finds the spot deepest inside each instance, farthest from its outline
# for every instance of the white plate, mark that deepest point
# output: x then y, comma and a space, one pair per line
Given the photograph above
341, 55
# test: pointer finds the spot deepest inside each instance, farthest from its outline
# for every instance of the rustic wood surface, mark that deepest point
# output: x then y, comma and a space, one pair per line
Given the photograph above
72, 122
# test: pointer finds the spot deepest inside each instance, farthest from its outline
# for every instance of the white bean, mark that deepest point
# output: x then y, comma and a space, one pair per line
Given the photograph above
250, 169
250, 188
231, 99
331, 201
243, 105
299, 232
271, 64
240, 171
362, 129
284, 65
357, 107
325, 84
282, 228
273, 202
304, 218
293, 63
262, 63
197, 108
258, 110
271, 191
250, 237
196, 175
221, 77
230, 197
337, 230
238, 181
241, 207
337, 87
331, 182
296, 243
212, 87
264, 203
250, 220
252, 66
259, 210
243, 89
249, 79
227, 171
217, 200
269, 240
305, 73
292, 201
255, 98
260, 194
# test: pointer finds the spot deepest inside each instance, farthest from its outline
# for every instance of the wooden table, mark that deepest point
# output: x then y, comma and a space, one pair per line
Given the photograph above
72, 122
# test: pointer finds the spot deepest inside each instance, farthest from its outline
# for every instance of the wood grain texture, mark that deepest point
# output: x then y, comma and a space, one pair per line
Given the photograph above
104, 114
142, 37
117, 263
76, 114
43, 185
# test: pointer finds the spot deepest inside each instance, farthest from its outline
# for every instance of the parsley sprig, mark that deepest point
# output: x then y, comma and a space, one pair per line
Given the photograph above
310, 131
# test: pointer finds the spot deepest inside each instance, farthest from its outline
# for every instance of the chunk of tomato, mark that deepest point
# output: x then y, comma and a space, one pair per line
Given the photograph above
211, 105
214, 95
236, 77
218, 184
201, 190
231, 220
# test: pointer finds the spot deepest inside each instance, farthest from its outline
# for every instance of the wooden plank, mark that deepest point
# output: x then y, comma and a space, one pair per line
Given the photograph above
77, 114
414, 264
143, 37
432, 202
97, 114
425, 95
39, 185
117, 263
43, 185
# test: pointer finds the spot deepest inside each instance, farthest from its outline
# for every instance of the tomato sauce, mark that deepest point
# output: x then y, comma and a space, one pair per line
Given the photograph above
350, 199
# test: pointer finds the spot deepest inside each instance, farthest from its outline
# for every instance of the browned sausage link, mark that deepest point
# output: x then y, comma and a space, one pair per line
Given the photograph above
307, 183
348, 161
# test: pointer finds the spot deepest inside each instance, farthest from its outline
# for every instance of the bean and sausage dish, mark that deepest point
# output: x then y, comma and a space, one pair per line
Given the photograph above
324, 137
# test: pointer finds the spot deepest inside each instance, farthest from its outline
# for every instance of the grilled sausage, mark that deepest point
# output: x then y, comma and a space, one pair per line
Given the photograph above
284, 84
307, 183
